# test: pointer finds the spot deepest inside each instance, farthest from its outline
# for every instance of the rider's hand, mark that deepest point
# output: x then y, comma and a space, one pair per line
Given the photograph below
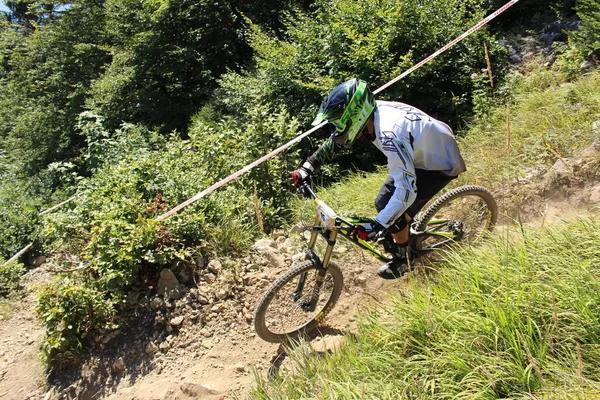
367, 231
300, 176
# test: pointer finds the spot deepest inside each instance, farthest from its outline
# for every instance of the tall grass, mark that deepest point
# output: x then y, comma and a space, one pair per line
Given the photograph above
514, 318
550, 117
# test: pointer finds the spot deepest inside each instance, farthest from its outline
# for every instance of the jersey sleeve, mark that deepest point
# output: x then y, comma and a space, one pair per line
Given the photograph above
323, 154
401, 168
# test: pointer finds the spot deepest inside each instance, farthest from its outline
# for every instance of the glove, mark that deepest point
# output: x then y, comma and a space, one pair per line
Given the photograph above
367, 231
300, 176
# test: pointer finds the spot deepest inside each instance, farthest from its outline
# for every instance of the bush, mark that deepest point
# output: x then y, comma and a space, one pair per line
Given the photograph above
112, 226
588, 36
70, 311
10, 277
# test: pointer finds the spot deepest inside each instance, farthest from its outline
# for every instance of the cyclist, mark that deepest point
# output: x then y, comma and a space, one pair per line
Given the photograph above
422, 158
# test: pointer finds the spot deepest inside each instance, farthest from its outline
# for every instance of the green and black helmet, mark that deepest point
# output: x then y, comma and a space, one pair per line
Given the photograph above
348, 107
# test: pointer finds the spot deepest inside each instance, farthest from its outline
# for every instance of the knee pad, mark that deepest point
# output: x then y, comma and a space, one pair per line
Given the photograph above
399, 225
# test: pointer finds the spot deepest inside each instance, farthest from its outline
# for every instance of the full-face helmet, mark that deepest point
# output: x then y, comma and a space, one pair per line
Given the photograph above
348, 107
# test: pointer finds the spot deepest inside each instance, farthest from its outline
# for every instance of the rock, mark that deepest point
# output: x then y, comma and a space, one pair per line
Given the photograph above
119, 365
587, 65
328, 343
176, 321
197, 391
265, 245
221, 294
156, 303
361, 280
275, 259
341, 250
215, 266
298, 257
168, 285
110, 336
240, 368
515, 58
210, 277
185, 275
596, 128
164, 346
37, 261
595, 195
151, 348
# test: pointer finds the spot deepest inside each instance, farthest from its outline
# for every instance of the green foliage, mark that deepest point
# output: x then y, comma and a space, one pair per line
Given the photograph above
71, 311
47, 77
588, 36
372, 40
551, 116
510, 319
228, 147
10, 277
19, 208
112, 226
166, 56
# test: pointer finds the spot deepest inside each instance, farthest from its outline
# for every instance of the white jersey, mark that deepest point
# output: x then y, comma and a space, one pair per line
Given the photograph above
412, 139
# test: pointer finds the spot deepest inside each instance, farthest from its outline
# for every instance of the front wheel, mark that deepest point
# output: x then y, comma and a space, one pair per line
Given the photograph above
463, 214
297, 301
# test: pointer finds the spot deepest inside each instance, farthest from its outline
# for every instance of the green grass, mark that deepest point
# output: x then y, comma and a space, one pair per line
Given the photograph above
513, 318
343, 197
550, 117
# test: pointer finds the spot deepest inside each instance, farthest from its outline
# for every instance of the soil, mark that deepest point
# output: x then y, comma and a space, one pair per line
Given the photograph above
202, 344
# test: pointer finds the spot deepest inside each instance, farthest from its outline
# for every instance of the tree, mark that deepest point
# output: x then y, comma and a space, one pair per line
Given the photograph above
46, 79
373, 40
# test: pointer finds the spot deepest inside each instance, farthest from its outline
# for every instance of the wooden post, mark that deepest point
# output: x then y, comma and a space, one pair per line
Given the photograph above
508, 143
257, 210
489, 65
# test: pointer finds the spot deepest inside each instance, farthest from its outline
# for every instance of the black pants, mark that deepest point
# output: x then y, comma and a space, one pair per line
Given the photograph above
429, 183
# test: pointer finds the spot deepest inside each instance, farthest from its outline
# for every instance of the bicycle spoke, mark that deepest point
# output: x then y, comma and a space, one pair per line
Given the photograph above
289, 310
464, 218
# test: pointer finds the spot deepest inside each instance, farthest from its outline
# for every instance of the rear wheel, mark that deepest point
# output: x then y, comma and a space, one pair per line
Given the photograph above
463, 214
296, 301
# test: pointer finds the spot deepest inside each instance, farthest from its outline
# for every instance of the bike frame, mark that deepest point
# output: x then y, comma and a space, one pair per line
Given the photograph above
328, 225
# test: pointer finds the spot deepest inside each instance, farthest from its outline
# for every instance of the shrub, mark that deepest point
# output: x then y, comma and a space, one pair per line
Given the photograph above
112, 226
588, 36
70, 311
10, 277
375, 41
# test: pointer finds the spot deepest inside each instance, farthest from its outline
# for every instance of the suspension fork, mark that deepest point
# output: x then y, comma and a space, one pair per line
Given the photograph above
321, 266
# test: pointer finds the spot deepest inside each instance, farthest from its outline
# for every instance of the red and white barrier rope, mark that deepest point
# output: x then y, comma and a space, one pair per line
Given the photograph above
248, 167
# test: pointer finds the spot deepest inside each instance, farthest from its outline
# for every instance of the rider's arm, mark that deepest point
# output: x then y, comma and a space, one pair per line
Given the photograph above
322, 155
402, 170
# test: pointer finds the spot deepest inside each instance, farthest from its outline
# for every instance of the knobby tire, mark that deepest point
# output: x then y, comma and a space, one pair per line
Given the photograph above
486, 206
271, 312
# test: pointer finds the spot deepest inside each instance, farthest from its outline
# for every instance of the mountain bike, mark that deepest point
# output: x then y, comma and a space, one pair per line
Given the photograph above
304, 294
